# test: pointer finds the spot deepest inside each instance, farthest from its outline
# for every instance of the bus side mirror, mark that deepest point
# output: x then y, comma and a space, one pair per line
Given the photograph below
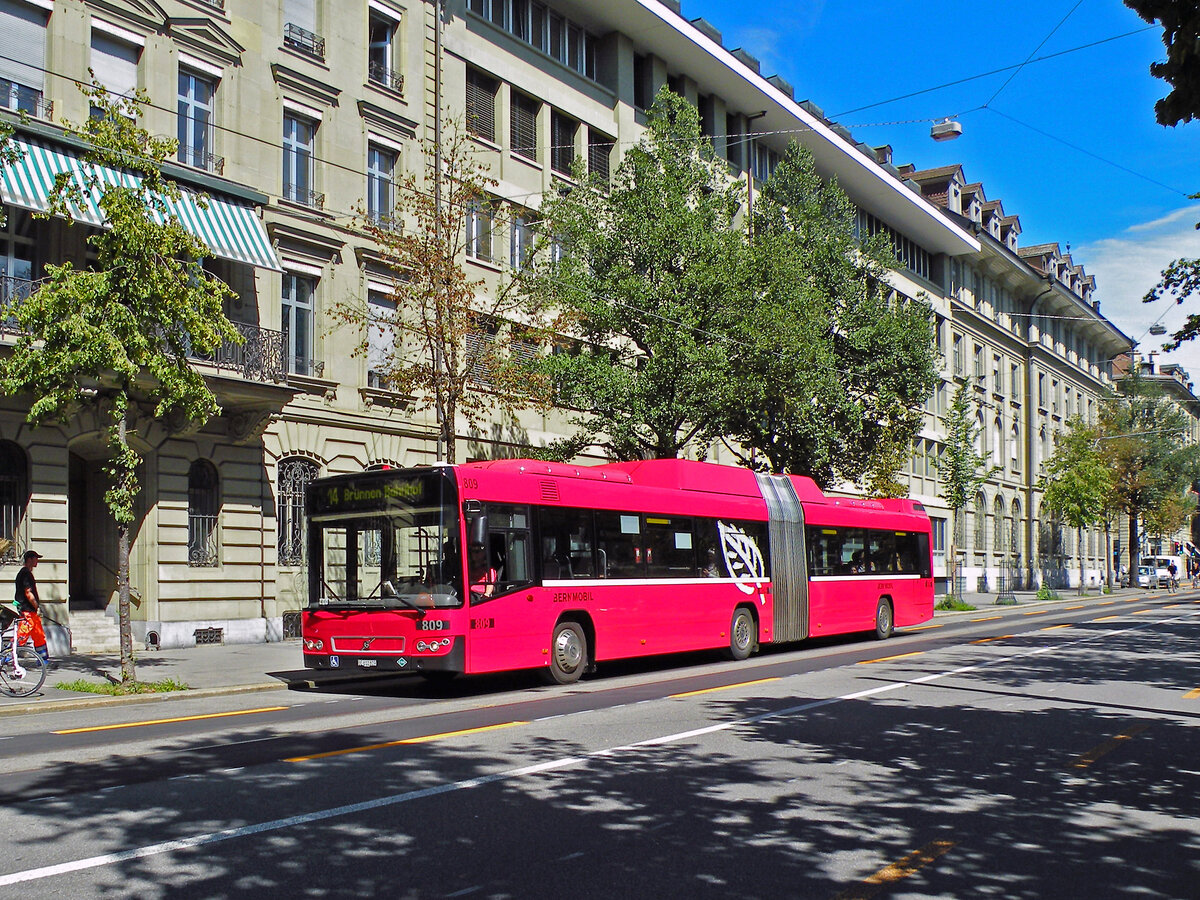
477, 530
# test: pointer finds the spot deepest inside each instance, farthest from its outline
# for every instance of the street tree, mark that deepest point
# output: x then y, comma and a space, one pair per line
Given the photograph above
1180, 20
641, 272
127, 324
1077, 482
456, 343
828, 368
962, 468
1145, 441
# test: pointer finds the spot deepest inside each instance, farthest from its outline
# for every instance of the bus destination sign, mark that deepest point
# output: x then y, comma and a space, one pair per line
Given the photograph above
368, 494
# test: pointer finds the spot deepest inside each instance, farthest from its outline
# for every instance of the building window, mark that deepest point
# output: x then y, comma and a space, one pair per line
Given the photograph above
524, 125
999, 532
115, 65
16, 256
295, 475
980, 517
381, 339
912, 255
203, 504
643, 94
381, 167
381, 53
297, 323
600, 149
22, 57
520, 250
298, 140
1015, 449
300, 27
14, 499
195, 125
939, 538
481, 105
762, 161
545, 29
562, 142
479, 231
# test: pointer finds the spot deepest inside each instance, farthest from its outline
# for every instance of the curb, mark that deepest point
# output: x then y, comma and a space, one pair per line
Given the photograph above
101, 700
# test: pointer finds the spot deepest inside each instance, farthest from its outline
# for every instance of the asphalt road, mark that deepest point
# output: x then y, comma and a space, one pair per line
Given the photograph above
1007, 753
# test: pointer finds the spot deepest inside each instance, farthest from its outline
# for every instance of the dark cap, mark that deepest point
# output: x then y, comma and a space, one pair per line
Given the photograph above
32, 554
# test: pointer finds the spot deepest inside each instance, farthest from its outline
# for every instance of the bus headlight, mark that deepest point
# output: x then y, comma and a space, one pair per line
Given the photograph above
311, 644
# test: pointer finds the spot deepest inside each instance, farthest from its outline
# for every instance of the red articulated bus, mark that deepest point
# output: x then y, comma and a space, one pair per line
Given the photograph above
521, 564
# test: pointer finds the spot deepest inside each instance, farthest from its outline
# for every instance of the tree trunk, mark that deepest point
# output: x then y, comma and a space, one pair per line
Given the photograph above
1134, 547
126, 632
1079, 547
952, 557
1108, 569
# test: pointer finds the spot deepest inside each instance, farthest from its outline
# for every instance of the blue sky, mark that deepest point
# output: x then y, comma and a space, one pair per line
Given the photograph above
1070, 144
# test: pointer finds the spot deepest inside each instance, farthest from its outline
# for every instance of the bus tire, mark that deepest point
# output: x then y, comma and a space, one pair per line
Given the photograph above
885, 622
568, 654
743, 634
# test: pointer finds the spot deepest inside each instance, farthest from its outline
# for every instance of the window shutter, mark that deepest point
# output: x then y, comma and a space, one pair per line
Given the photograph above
524, 126
115, 64
22, 44
481, 105
301, 13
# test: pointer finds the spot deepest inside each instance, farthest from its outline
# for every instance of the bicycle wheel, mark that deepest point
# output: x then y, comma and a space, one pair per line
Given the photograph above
35, 674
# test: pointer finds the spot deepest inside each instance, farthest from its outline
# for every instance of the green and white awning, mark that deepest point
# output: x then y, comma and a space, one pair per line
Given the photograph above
229, 228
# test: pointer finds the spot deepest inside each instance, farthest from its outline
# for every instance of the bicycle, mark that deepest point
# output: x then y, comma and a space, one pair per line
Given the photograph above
23, 674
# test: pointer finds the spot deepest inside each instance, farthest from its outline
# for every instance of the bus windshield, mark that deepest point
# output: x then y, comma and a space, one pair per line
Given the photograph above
403, 553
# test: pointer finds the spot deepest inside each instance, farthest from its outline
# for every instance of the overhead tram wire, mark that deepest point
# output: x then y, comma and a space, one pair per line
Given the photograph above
1017, 71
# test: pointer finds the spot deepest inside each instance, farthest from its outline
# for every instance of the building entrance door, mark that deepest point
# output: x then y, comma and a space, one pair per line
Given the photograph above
92, 550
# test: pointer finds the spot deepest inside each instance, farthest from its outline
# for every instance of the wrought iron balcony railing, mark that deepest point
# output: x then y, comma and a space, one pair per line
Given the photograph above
260, 357
199, 159
24, 99
388, 78
303, 40
304, 196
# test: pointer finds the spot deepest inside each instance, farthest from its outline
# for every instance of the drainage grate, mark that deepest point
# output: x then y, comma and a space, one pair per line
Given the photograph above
209, 636
291, 626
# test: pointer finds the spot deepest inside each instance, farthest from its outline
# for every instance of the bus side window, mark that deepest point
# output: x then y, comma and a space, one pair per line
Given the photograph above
618, 537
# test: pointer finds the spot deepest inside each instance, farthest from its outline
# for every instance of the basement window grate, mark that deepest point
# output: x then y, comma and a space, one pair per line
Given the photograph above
209, 636
291, 626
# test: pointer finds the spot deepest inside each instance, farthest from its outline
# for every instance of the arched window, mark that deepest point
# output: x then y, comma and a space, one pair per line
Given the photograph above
1014, 449
295, 474
999, 533
998, 442
1016, 528
980, 521
203, 505
14, 498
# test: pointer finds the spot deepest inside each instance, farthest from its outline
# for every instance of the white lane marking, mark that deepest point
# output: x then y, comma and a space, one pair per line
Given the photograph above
228, 834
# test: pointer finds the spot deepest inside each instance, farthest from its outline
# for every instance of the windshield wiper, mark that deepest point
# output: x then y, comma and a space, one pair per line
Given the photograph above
391, 588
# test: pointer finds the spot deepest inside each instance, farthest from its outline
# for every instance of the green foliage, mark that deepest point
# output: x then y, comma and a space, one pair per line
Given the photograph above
1180, 20
123, 688
962, 468
642, 270
828, 370
954, 604
1047, 593
118, 336
1077, 483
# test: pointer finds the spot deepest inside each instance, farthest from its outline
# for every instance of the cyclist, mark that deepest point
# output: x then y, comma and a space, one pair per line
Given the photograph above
29, 628
1173, 581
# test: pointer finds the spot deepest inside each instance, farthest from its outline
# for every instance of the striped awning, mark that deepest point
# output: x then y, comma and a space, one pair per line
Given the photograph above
229, 228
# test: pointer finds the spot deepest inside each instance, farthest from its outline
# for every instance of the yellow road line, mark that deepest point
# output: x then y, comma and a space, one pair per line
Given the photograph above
243, 712
987, 618
1083, 606
417, 740
1192, 695
1106, 618
1138, 612
724, 687
910, 864
1082, 762
863, 662
1055, 627
1036, 612
926, 627
1107, 603
999, 637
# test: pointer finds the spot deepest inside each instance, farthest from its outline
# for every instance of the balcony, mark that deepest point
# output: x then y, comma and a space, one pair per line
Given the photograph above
385, 77
199, 159
303, 40
304, 196
259, 358
19, 98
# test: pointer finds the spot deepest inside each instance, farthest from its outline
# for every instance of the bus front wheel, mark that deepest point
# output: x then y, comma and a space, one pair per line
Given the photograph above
568, 654
743, 634
884, 623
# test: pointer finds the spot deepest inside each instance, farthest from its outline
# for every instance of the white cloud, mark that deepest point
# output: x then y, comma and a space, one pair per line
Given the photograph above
1130, 264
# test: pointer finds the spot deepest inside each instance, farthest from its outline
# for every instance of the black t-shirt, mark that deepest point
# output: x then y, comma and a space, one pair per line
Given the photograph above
25, 580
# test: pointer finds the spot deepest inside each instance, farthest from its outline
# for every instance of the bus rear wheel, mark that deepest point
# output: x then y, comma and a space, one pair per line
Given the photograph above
568, 654
884, 623
743, 634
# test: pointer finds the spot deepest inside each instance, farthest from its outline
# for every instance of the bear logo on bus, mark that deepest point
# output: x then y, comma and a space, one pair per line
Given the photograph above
743, 560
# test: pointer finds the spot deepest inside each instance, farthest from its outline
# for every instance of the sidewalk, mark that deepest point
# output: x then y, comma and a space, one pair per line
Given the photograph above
246, 668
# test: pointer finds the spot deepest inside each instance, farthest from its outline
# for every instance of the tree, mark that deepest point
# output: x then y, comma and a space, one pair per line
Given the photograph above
828, 368
128, 324
1180, 20
961, 467
1144, 435
1077, 483
641, 271
459, 345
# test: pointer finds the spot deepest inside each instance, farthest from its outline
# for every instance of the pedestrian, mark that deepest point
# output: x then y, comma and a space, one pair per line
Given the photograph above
29, 627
